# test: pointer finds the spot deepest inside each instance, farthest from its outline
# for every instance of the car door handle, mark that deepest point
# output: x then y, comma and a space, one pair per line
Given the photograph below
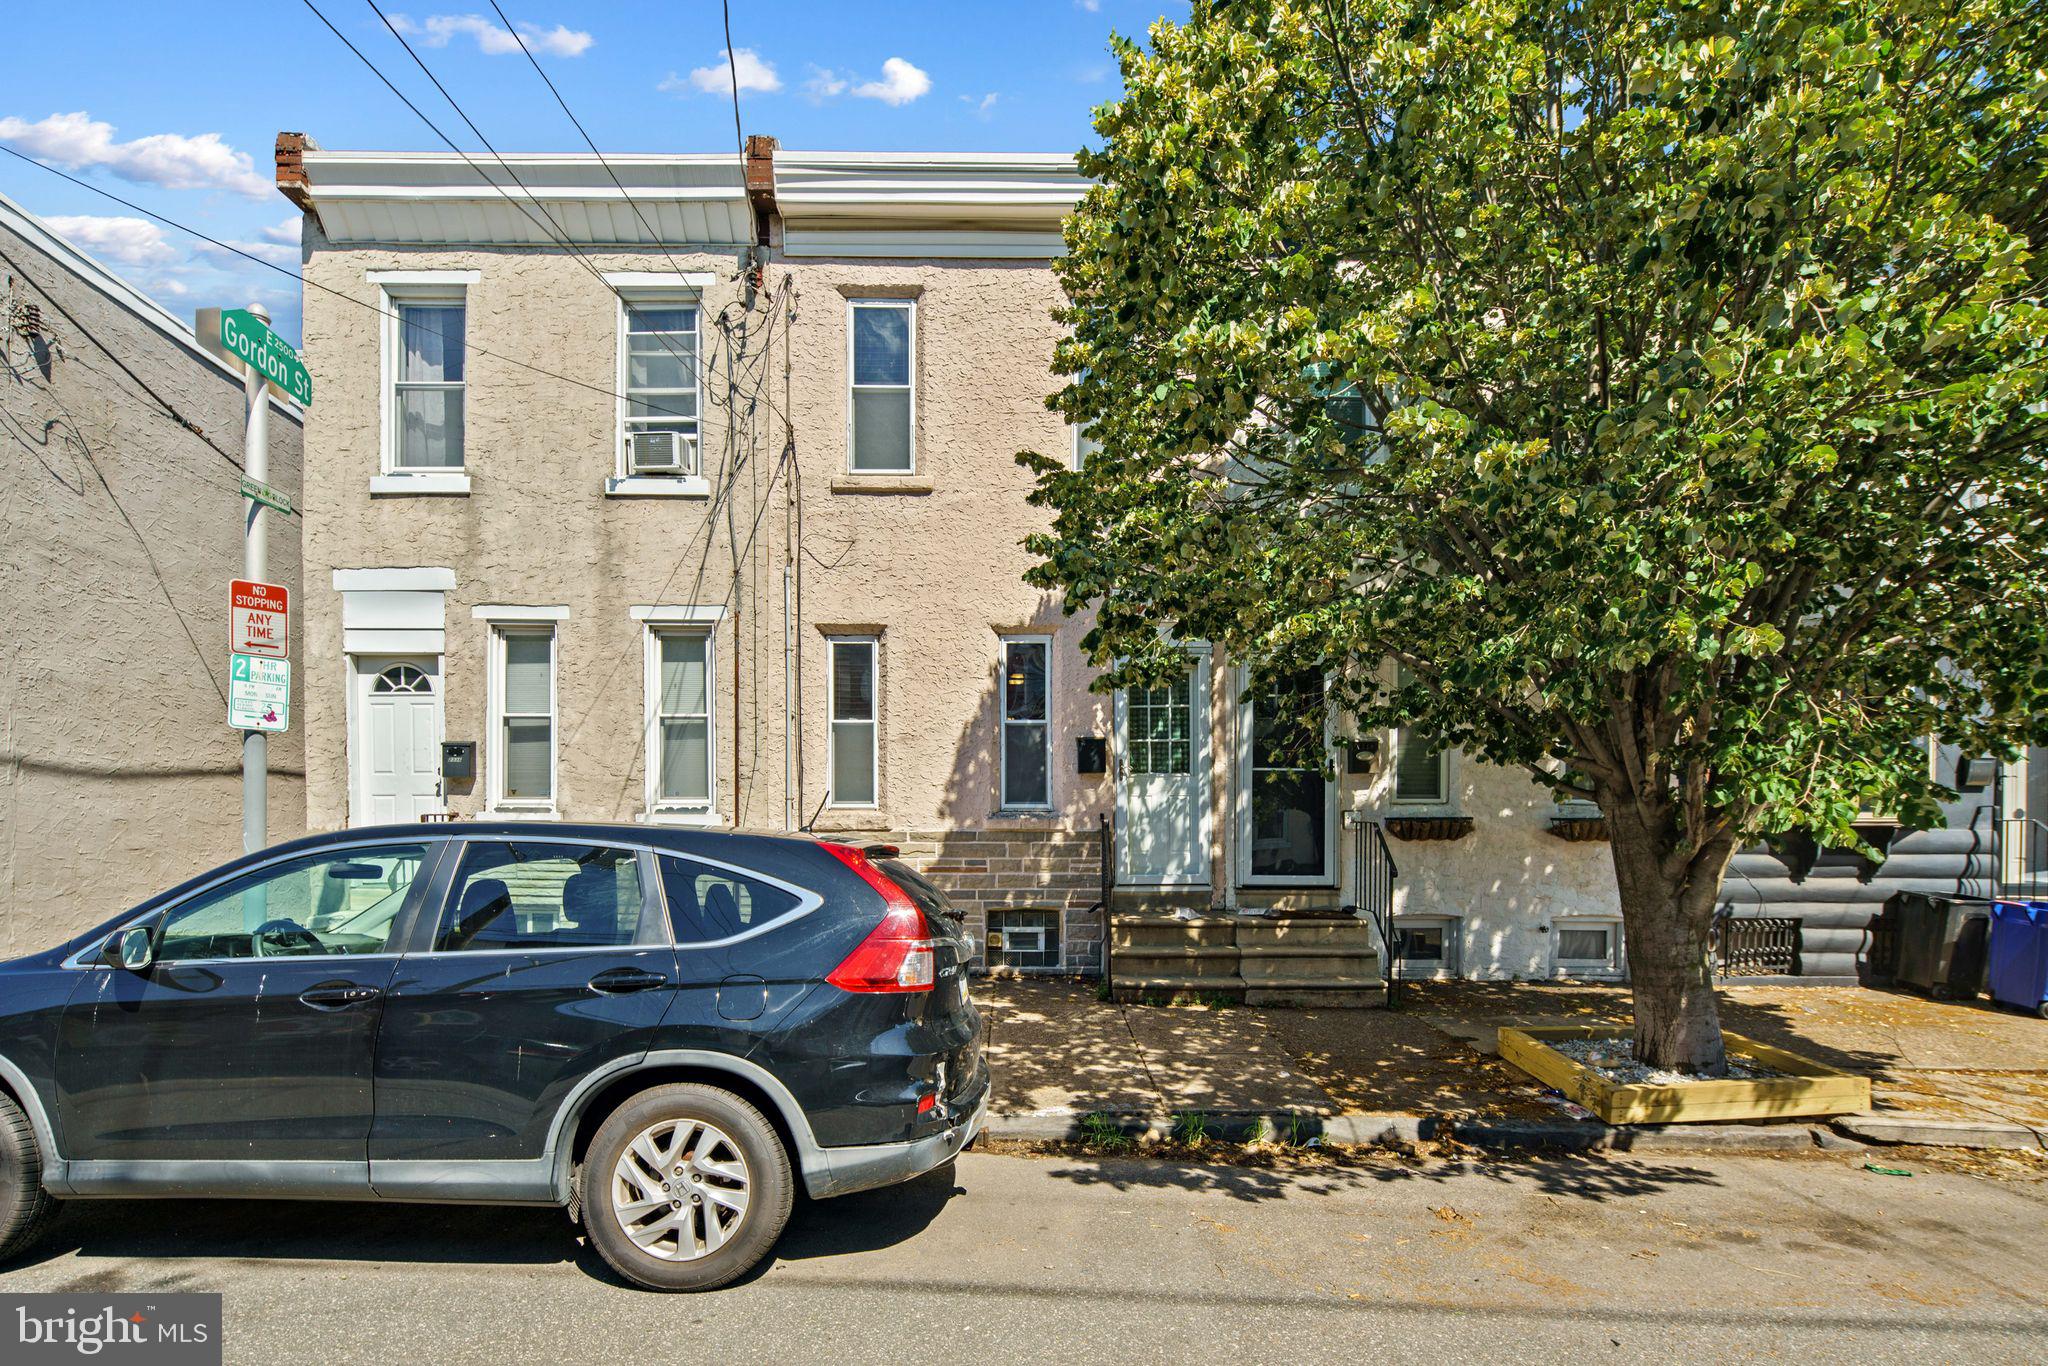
618, 981
338, 995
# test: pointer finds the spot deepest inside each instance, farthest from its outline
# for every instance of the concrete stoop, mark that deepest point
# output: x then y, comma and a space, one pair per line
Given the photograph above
1269, 961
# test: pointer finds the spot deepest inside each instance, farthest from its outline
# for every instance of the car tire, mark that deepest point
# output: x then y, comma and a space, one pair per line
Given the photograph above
26, 1209
717, 1151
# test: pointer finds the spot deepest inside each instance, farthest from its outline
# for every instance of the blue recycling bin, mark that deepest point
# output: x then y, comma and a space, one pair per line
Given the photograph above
2018, 966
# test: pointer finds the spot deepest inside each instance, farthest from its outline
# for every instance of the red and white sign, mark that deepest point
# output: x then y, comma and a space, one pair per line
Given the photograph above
259, 619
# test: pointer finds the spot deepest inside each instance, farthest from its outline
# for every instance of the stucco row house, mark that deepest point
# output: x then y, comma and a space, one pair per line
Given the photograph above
681, 489
121, 518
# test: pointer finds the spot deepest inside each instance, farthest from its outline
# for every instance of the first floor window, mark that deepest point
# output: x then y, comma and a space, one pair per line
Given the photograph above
526, 716
682, 720
428, 384
1419, 768
853, 722
1027, 722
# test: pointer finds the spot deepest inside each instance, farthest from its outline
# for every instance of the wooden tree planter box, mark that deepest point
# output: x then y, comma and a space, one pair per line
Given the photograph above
1807, 1088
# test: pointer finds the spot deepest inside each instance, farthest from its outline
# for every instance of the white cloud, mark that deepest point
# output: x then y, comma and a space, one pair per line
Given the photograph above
78, 141
125, 241
981, 105
277, 253
900, 84
825, 84
437, 30
285, 232
717, 78
1092, 6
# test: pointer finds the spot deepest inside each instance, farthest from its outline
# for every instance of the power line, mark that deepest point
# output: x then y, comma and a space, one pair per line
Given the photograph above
534, 61
290, 274
732, 66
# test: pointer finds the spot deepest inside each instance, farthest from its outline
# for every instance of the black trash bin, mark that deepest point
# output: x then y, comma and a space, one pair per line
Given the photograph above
1940, 943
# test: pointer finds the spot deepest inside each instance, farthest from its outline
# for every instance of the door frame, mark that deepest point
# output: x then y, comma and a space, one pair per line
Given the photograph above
1200, 774
359, 675
1241, 802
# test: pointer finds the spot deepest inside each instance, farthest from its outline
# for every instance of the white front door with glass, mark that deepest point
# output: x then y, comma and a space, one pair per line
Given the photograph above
396, 757
1163, 781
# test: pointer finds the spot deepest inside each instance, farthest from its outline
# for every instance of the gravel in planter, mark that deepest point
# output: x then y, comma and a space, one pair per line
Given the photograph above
1612, 1059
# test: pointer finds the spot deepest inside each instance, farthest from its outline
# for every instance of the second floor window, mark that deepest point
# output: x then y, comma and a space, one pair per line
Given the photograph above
427, 385
660, 430
883, 367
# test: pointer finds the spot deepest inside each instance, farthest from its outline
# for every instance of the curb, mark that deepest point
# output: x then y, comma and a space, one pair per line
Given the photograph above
1369, 1130
1941, 1133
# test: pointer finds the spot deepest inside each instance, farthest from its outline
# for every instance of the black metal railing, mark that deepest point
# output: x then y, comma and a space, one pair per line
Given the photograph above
1106, 885
1376, 874
2020, 857
1757, 946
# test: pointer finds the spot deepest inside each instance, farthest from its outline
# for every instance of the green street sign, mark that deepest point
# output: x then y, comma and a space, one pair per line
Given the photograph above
239, 336
259, 693
262, 493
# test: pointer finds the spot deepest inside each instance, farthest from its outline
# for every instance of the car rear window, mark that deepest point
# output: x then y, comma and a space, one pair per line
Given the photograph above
707, 902
938, 910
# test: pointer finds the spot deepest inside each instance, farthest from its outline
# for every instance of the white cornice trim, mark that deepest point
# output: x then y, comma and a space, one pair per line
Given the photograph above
499, 611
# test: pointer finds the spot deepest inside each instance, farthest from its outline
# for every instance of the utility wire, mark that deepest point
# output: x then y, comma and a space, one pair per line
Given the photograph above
290, 274
732, 66
631, 203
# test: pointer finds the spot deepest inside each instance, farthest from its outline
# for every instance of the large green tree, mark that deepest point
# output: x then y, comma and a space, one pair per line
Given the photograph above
1661, 385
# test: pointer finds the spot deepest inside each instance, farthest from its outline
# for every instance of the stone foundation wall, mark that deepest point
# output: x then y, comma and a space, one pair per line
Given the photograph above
1009, 868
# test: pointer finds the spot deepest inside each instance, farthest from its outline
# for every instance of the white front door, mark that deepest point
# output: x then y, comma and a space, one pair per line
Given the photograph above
1163, 781
395, 760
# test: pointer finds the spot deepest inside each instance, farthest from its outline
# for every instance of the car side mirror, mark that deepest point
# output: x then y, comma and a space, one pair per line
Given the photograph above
133, 948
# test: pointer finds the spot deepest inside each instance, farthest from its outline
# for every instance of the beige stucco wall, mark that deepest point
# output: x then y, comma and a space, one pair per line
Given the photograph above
118, 773
935, 571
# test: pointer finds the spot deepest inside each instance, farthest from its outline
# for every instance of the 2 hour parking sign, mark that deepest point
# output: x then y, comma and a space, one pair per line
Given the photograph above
259, 693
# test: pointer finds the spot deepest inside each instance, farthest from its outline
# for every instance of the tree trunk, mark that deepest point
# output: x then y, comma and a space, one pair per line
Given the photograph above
1667, 912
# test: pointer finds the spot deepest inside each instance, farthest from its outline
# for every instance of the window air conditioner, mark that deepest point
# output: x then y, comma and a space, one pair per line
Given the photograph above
660, 453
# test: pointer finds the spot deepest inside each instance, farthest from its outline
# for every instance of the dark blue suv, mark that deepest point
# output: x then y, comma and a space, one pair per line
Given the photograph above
658, 1028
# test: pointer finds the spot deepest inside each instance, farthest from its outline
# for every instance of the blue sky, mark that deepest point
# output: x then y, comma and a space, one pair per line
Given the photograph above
175, 107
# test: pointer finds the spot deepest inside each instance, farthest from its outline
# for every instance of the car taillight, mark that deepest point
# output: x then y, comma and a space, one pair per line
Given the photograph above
897, 954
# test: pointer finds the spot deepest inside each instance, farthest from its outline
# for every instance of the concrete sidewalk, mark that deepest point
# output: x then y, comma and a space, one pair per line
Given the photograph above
1974, 1073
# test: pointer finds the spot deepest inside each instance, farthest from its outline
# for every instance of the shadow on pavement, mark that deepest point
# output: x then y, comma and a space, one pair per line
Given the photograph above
262, 1231
1597, 1179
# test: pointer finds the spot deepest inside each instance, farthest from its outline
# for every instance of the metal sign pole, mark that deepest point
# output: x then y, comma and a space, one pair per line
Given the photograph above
255, 565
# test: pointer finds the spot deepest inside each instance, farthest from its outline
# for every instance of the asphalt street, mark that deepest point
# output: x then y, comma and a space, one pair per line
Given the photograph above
1063, 1258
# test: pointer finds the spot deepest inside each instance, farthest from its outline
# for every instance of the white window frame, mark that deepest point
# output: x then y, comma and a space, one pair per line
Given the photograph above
504, 623
1583, 969
1397, 739
1331, 824
1003, 724
659, 808
909, 307
398, 289
1451, 966
654, 290
833, 722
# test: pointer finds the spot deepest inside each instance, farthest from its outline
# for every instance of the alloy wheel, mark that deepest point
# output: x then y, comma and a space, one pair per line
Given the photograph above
680, 1189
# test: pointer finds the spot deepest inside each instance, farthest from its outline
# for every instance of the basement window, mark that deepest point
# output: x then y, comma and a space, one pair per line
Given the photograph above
1429, 946
1024, 939
1587, 948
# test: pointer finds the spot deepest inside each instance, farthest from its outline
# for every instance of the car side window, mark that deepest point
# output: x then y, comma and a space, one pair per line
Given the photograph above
532, 894
339, 901
707, 902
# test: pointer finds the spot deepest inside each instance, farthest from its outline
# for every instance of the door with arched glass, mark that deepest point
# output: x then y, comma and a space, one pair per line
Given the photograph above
395, 760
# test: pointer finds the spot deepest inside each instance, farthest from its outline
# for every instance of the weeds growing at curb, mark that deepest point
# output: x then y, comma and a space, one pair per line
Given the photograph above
1191, 1127
1105, 1133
